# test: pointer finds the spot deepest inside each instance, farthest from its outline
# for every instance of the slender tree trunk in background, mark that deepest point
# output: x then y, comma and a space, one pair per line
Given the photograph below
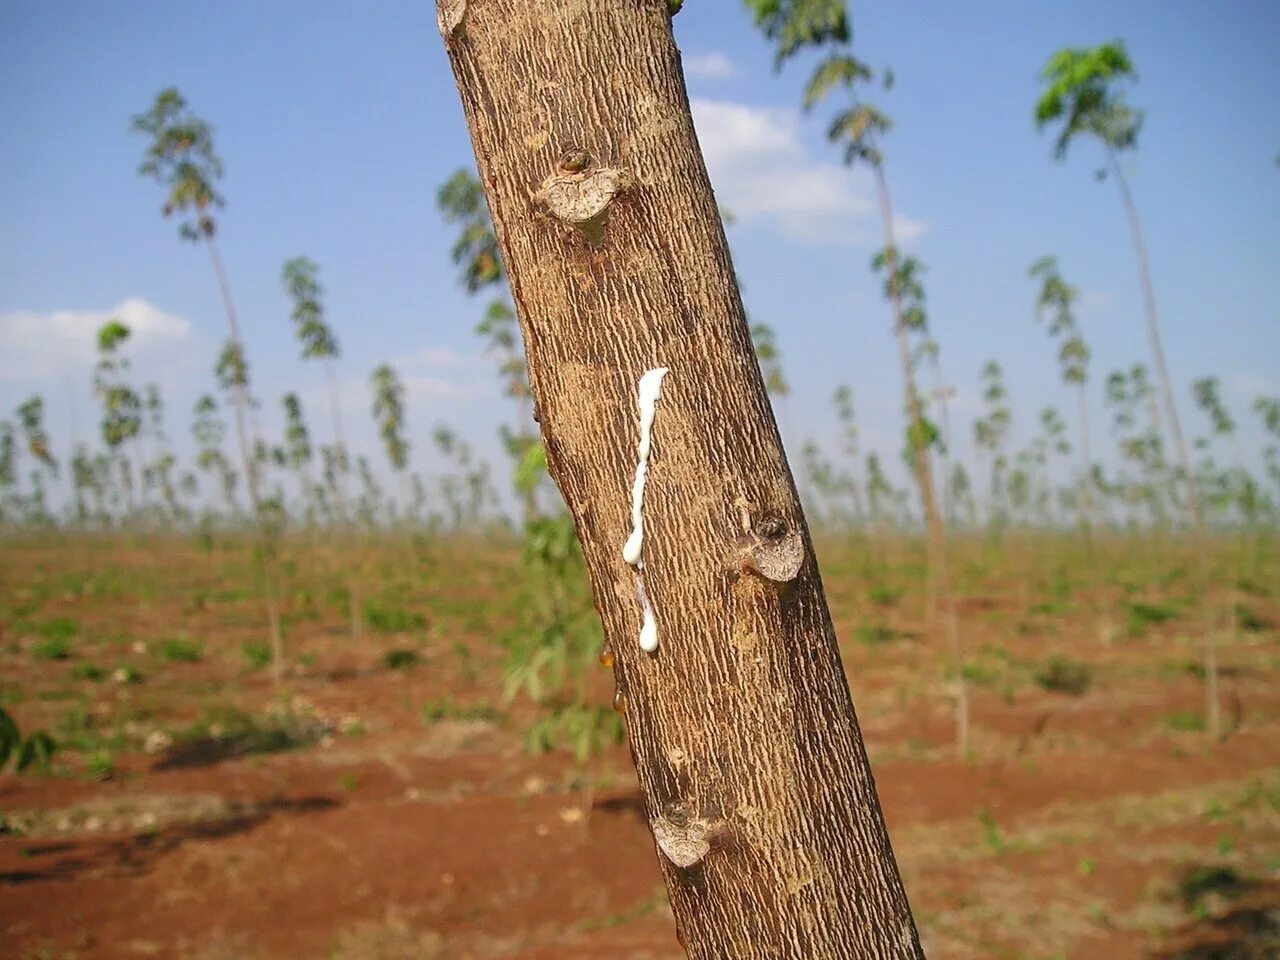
939, 572
1087, 504
755, 778
1213, 719
241, 404
344, 506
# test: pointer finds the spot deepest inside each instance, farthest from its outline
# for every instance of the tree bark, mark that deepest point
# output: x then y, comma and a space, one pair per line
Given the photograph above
755, 779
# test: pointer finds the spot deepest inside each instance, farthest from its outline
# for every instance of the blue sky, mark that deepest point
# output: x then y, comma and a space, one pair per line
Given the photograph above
338, 125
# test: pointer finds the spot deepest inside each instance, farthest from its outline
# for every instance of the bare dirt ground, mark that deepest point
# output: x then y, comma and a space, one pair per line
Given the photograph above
365, 811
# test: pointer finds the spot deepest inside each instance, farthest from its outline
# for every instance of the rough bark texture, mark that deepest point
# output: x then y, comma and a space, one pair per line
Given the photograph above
755, 778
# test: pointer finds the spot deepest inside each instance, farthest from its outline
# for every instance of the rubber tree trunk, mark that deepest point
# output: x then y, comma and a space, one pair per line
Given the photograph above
755, 779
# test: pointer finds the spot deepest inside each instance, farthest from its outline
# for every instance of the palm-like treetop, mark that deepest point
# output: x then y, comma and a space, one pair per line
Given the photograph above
795, 24
182, 158
857, 127
1083, 92
301, 283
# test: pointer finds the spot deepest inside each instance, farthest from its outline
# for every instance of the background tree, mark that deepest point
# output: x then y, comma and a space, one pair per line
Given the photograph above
1054, 307
475, 251
1084, 96
388, 413
121, 405
182, 159
856, 130
301, 282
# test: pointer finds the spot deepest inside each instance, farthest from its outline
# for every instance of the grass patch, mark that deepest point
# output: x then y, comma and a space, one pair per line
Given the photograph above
1250, 621
1144, 615
88, 671
51, 648
1185, 721
180, 650
883, 595
436, 710
256, 654
386, 618
876, 634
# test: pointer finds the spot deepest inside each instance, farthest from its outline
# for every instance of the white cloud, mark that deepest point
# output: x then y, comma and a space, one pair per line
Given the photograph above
761, 168
438, 357
38, 345
709, 66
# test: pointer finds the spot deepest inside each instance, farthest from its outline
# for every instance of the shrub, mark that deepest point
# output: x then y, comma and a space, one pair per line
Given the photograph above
390, 619
258, 655
1065, 676
1143, 615
400, 658
88, 671
35, 750
51, 648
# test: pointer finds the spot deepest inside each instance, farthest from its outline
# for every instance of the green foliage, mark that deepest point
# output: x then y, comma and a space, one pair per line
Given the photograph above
795, 24
837, 70
991, 834
31, 418
433, 711
256, 654
1144, 615
388, 413
876, 634
1248, 620
1199, 882
1055, 304
384, 617
461, 201
36, 750
300, 282
232, 367
764, 340
1062, 675
1082, 91
51, 648
181, 158
400, 658
88, 671
180, 650
1185, 721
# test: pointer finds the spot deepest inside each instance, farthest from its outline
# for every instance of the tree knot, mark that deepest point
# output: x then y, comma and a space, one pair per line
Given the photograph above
580, 190
449, 14
683, 837
772, 549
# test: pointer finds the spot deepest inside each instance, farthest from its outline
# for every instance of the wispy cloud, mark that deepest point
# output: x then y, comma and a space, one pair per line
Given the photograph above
761, 169
37, 345
436, 357
714, 65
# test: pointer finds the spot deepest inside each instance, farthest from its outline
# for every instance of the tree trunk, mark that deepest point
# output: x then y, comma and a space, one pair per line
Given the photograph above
755, 779
1213, 719
345, 523
241, 403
